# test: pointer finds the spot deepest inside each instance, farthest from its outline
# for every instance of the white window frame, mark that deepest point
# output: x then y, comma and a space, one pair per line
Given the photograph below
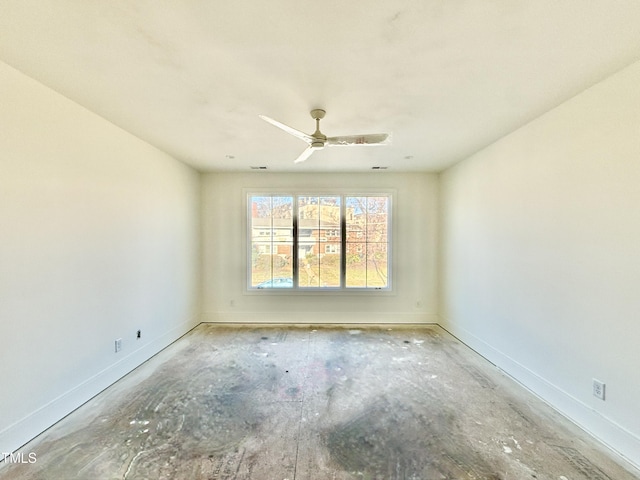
302, 290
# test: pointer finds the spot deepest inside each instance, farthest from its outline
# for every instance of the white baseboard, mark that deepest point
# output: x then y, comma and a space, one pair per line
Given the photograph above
615, 437
29, 427
320, 318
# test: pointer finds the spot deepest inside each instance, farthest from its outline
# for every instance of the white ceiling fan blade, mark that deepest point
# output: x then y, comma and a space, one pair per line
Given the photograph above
306, 154
288, 129
368, 139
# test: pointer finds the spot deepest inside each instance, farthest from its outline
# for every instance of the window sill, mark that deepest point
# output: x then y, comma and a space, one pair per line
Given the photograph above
338, 292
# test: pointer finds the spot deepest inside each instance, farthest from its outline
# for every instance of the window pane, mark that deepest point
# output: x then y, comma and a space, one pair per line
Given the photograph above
356, 209
356, 265
377, 265
271, 241
367, 221
330, 265
319, 241
308, 221
377, 219
309, 273
329, 251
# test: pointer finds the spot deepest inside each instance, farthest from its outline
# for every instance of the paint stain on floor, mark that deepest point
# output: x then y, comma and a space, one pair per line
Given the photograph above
314, 404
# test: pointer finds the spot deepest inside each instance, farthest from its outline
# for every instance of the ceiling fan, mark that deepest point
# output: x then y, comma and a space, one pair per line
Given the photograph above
317, 140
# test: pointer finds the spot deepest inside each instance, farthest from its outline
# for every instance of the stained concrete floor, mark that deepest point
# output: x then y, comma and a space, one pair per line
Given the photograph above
314, 403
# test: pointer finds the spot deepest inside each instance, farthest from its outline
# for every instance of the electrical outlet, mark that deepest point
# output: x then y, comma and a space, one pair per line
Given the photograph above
598, 389
118, 343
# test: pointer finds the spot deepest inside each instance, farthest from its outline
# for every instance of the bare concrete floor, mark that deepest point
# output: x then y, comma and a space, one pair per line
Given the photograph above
312, 404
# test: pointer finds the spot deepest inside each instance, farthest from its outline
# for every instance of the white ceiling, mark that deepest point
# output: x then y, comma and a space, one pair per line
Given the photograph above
445, 77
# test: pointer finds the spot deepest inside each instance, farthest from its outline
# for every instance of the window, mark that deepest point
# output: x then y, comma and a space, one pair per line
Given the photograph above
331, 248
319, 242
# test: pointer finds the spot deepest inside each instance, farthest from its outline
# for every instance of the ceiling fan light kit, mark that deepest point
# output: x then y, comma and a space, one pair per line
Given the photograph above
317, 140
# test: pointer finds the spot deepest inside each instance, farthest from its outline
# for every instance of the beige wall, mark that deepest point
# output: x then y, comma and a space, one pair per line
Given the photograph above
414, 252
541, 256
99, 237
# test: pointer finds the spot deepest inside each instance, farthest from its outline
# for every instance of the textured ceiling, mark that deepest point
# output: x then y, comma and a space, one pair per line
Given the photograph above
445, 77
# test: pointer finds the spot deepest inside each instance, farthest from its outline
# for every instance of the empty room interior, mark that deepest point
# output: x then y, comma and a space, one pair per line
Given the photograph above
336, 240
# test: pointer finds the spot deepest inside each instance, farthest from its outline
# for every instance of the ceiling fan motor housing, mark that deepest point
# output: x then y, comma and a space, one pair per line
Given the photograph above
317, 113
319, 138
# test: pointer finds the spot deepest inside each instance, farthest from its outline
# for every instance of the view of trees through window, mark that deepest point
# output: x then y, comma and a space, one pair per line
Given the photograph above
341, 241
